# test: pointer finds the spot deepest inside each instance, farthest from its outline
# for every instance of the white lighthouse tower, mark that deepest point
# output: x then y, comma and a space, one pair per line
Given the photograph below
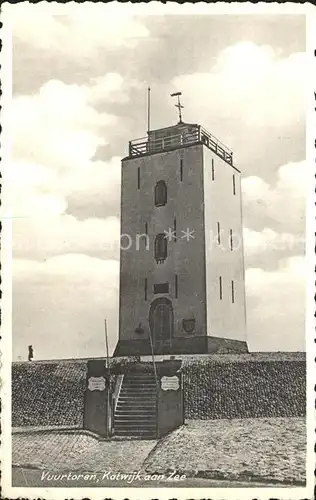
182, 286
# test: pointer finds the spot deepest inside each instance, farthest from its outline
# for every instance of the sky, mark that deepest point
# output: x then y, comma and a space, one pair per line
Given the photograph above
79, 96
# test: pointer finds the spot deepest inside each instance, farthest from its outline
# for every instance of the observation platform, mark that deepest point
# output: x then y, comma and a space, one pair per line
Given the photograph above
177, 136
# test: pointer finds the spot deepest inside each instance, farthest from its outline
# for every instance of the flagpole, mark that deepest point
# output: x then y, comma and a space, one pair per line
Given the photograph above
106, 346
108, 405
148, 110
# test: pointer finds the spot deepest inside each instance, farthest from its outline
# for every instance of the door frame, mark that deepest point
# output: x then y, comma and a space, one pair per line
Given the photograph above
157, 302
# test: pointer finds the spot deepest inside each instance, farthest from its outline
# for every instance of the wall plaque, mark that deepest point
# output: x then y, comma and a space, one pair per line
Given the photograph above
170, 383
188, 325
96, 384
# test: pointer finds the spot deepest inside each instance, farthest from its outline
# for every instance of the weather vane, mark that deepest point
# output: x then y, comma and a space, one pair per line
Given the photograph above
178, 105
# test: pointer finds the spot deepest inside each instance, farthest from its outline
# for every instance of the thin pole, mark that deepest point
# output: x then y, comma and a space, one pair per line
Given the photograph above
148, 110
106, 346
108, 405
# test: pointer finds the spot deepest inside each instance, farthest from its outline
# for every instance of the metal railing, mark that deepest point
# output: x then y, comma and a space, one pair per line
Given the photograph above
149, 145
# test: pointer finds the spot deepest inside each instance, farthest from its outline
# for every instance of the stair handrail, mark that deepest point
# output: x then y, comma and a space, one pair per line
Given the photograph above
117, 388
156, 380
153, 357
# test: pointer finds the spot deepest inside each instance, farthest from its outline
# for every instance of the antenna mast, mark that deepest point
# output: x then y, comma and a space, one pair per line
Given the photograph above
148, 110
178, 105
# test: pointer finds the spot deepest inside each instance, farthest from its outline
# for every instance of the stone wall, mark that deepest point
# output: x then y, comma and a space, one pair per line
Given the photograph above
215, 387
245, 386
48, 394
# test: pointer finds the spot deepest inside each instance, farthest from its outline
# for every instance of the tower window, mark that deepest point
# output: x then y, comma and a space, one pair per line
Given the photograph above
234, 185
175, 228
231, 238
161, 288
181, 169
176, 285
160, 194
233, 292
213, 170
220, 288
161, 247
145, 288
138, 178
218, 233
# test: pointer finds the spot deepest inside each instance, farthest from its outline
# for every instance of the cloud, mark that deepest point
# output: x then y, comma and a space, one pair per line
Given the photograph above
276, 306
56, 135
60, 306
42, 237
268, 240
78, 32
249, 83
283, 203
58, 127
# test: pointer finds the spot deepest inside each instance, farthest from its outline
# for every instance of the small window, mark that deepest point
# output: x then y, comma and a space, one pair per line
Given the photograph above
181, 169
138, 178
175, 229
161, 247
145, 288
234, 185
231, 239
160, 194
233, 292
218, 233
220, 288
161, 288
176, 285
213, 170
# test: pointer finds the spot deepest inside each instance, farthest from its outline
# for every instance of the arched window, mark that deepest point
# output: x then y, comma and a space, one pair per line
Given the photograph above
160, 194
161, 247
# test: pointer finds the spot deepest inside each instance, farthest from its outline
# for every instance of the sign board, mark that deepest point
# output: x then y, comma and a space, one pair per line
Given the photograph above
170, 383
96, 384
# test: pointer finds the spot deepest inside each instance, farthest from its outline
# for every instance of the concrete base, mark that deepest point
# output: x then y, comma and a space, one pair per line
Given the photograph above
185, 345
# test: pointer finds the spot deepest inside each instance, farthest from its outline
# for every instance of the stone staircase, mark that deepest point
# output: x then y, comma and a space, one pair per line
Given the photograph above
136, 409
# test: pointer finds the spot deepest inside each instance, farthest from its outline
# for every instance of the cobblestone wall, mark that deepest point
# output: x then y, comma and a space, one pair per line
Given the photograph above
217, 390
48, 394
215, 387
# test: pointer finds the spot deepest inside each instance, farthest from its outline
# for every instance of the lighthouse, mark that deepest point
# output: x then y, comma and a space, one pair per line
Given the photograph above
182, 284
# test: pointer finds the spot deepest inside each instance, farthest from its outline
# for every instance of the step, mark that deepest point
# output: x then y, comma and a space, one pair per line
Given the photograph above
134, 417
138, 388
136, 399
139, 385
139, 413
140, 380
128, 408
139, 398
125, 426
135, 408
141, 391
135, 425
147, 405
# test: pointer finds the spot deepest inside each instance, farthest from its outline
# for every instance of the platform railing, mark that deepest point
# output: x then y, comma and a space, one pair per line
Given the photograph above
148, 145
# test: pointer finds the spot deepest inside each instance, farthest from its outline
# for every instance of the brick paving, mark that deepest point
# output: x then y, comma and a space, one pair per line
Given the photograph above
262, 450
255, 449
78, 451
